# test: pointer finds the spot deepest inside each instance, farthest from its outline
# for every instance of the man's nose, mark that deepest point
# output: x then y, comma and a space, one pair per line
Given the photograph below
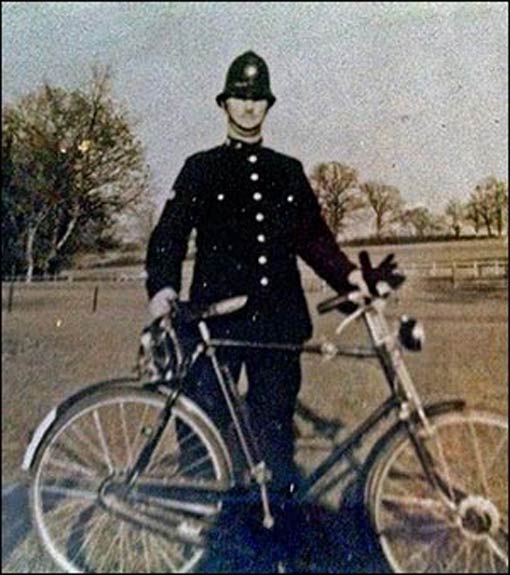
248, 105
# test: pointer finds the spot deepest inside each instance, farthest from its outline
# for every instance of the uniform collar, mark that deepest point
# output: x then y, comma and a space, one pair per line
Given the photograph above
242, 146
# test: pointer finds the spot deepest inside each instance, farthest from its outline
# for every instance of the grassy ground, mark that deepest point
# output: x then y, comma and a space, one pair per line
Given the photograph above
53, 345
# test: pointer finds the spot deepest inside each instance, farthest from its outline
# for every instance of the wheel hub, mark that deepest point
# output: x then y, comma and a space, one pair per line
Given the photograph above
478, 517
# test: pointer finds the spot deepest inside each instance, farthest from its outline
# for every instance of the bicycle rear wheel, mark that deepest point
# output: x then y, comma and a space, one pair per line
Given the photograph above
461, 527
86, 519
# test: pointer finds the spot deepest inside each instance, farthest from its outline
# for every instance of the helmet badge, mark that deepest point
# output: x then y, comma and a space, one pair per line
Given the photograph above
250, 71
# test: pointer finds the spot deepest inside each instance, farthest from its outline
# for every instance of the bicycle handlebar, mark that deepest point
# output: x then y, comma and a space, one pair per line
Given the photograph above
349, 303
344, 303
190, 311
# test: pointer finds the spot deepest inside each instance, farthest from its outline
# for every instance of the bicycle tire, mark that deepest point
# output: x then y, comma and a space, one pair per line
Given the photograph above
81, 467
464, 528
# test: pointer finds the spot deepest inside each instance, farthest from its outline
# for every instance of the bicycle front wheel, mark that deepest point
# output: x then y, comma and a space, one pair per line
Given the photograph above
459, 526
86, 518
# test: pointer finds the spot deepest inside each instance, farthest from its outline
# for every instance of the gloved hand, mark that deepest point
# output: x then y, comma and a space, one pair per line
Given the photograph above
363, 283
382, 279
160, 304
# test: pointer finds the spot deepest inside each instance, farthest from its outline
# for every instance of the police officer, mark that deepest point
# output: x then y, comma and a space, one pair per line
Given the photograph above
255, 213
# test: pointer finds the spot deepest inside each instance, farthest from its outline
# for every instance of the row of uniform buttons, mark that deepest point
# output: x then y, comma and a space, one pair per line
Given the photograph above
259, 217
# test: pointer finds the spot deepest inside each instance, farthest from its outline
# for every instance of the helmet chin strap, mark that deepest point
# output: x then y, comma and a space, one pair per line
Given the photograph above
238, 132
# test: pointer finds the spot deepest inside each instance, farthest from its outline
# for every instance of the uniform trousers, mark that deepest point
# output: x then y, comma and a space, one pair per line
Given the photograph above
274, 380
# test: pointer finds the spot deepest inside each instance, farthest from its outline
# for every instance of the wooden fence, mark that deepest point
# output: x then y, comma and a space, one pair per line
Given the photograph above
454, 269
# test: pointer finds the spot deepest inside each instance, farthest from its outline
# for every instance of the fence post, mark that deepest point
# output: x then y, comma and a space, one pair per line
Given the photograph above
433, 270
10, 296
496, 268
476, 271
94, 302
454, 274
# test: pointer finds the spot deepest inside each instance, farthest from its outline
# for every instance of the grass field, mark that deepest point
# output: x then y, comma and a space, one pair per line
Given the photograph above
54, 345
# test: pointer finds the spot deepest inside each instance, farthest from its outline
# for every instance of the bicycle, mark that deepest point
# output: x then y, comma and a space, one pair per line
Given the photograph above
130, 478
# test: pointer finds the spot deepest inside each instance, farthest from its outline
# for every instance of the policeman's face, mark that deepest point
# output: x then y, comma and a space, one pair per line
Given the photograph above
246, 116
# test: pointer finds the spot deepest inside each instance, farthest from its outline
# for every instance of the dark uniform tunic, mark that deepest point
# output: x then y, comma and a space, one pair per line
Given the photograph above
255, 213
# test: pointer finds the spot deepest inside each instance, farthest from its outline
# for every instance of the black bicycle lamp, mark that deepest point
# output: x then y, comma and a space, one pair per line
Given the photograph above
411, 333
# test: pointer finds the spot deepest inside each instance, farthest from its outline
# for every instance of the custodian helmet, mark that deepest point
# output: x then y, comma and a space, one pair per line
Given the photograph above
247, 78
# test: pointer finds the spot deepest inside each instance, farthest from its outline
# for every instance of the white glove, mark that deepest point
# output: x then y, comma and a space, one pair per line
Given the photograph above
356, 279
159, 305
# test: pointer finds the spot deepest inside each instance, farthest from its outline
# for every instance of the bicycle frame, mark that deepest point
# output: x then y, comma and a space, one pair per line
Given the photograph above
385, 348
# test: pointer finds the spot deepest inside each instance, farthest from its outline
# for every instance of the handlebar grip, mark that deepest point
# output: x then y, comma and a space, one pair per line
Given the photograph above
331, 303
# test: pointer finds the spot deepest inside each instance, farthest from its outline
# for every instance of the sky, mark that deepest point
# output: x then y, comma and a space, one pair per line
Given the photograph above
411, 94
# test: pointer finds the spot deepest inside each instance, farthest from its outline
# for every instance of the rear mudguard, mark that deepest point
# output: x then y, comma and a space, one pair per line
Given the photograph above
44, 428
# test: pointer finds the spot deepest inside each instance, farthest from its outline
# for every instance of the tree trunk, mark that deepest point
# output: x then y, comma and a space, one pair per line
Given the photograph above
29, 254
57, 245
378, 224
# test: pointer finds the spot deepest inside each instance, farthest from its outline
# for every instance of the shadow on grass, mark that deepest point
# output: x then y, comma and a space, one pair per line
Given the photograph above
306, 538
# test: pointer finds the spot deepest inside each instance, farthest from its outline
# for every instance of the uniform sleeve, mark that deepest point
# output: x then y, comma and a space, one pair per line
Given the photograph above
315, 242
168, 243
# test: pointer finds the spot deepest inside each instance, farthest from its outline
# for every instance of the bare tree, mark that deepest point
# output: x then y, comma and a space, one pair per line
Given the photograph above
335, 186
473, 215
385, 202
455, 214
421, 220
488, 204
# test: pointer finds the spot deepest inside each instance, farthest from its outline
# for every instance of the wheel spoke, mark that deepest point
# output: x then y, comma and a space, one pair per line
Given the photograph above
70, 492
137, 443
426, 503
417, 527
468, 558
96, 523
168, 561
444, 465
146, 555
498, 551
478, 457
102, 440
109, 550
70, 467
456, 556
184, 470
126, 435
163, 524
497, 451
70, 450
87, 442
